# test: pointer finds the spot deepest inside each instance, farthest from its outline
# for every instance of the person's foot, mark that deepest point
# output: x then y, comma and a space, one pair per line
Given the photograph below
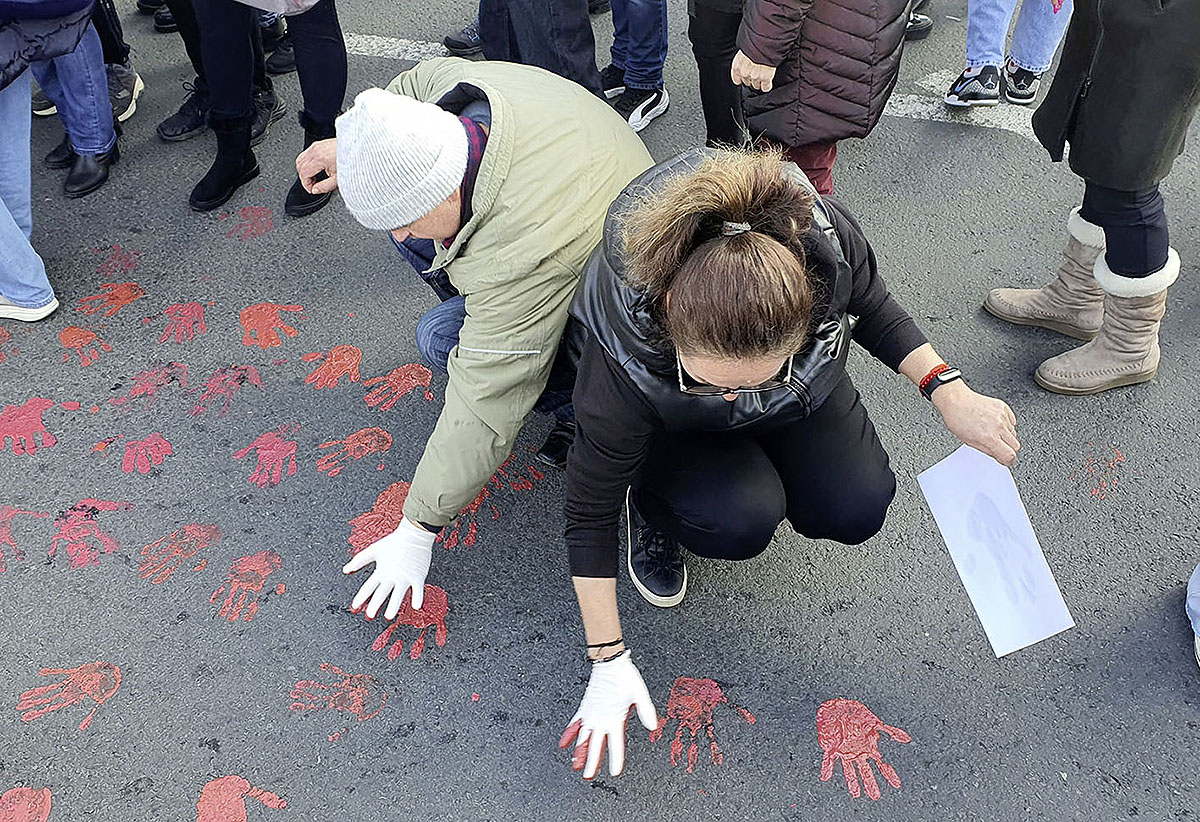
283, 59
124, 86
43, 106
234, 166
300, 203
150, 6
89, 172
272, 34
465, 42
919, 26
9, 311
164, 21
190, 120
62, 155
268, 108
558, 442
655, 561
598, 6
612, 81
975, 87
639, 106
1020, 86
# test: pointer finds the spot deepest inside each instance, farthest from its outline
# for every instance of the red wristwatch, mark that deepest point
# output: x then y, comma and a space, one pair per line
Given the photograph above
939, 375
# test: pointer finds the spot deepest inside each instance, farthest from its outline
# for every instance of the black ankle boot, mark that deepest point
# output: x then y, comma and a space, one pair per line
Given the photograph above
89, 172
62, 155
235, 165
299, 202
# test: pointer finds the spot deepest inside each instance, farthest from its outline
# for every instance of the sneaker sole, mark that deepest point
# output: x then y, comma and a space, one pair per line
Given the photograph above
955, 102
1019, 101
1074, 332
45, 112
1120, 382
641, 121
313, 208
209, 205
614, 92
28, 315
648, 595
463, 52
138, 88
179, 138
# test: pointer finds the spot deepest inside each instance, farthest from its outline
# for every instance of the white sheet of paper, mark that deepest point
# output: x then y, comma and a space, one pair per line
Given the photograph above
978, 509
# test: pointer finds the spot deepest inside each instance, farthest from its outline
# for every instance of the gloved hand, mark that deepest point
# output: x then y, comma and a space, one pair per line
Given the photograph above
401, 562
615, 686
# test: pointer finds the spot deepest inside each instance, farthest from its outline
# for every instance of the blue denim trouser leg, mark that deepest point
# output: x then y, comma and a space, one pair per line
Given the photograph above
78, 85
640, 41
1038, 32
22, 275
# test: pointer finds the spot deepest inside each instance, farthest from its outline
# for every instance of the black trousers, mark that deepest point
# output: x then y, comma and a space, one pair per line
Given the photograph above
189, 29
112, 36
723, 495
553, 34
1135, 227
713, 32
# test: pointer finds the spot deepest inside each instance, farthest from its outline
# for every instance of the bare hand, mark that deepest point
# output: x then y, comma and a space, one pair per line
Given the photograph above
317, 167
984, 423
745, 72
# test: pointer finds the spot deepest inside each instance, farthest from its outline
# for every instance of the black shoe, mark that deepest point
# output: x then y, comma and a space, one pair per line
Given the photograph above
190, 120
164, 21
268, 108
919, 26
1020, 86
655, 560
62, 155
598, 6
981, 90
612, 81
43, 106
639, 106
272, 34
89, 172
150, 6
283, 59
234, 166
300, 203
464, 43
558, 442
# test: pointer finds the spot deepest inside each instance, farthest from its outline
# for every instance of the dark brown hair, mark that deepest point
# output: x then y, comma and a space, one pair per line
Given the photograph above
738, 295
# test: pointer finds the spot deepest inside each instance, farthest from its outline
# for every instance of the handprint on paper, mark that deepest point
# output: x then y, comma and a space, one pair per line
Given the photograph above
339, 361
25, 805
354, 447
184, 322
432, 613
397, 383
95, 681
143, 455
7, 514
1006, 551
225, 382
76, 528
275, 453
261, 322
359, 695
224, 800
253, 221
246, 578
849, 733
164, 557
111, 299
691, 703
83, 342
148, 385
383, 518
23, 424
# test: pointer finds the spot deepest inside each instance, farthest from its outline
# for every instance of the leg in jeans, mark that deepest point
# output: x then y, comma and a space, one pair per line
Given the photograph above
816, 161
320, 63
1038, 32
112, 36
1135, 227
228, 35
22, 274
78, 85
640, 41
714, 43
987, 28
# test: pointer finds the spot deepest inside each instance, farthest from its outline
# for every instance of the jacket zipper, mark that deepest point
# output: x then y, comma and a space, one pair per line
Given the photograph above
1087, 81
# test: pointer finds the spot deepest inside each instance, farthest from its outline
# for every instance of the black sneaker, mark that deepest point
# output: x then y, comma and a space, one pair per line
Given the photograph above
599, 6
981, 90
124, 86
1020, 85
283, 59
919, 26
268, 108
558, 442
272, 34
190, 120
639, 105
464, 43
150, 6
164, 21
655, 560
43, 106
612, 81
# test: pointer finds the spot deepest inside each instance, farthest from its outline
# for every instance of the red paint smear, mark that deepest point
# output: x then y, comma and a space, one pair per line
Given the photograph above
70, 405
253, 221
111, 299
279, 362
103, 445
397, 383
474, 697
849, 733
431, 614
383, 518
246, 578
184, 322
162, 558
76, 528
147, 385
354, 447
83, 342
261, 322
339, 361
121, 261
23, 424
361, 696
224, 800
692, 702
142, 455
25, 805
275, 453
93, 409
224, 383
7, 514
95, 681
1100, 474
201, 565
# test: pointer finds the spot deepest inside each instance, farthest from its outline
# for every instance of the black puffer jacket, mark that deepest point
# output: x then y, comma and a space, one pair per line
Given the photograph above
38, 30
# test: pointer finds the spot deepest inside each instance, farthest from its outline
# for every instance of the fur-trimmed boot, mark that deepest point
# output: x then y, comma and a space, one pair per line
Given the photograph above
1072, 303
1126, 350
234, 166
299, 203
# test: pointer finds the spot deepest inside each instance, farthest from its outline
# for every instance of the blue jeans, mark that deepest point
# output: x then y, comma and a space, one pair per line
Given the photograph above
1038, 32
78, 85
22, 275
640, 41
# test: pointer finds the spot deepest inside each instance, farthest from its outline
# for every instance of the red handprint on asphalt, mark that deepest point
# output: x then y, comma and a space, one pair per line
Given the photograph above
184, 322
339, 361
163, 557
360, 695
274, 452
23, 424
76, 527
253, 221
260, 321
83, 342
354, 447
692, 702
398, 382
383, 518
145, 454
25, 805
432, 613
5, 339
246, 578
111, 299
224, 800
849, 733
121, 261
7, 515
225, 382
147, 385
96, 681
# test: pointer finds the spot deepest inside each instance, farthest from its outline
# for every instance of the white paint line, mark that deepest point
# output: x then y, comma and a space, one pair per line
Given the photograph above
395, 48
1006, 116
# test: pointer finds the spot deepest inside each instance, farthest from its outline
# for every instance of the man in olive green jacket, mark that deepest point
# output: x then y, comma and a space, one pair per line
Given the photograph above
509, 170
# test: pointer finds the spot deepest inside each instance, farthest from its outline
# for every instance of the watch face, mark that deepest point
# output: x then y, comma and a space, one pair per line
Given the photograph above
946, 376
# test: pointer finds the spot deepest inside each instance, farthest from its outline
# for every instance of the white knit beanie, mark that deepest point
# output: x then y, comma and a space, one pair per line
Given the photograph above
397, 158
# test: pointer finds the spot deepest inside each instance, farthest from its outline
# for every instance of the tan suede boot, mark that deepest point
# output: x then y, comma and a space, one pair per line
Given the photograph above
1126, 350
1072, 303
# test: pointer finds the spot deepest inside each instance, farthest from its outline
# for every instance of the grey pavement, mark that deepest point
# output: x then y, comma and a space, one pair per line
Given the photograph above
1099, 722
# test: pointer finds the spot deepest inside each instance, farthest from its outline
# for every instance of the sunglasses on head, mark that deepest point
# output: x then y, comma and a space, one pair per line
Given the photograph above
703, 389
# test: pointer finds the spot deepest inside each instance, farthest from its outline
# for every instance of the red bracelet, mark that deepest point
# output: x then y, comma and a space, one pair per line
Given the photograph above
937, 369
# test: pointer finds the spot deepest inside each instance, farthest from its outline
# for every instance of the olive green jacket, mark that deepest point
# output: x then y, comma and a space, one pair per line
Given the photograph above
555, 160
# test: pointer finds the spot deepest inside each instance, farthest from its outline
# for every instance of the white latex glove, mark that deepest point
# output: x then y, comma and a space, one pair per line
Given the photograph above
401, 562
615, 686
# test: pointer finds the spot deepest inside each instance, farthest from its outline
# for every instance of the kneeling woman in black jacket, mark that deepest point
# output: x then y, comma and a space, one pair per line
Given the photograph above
713, 400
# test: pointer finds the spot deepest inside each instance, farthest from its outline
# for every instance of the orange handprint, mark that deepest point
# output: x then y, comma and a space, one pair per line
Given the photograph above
96, 681
145, 454
849, 733
397, 383
83, 342
356, 446
260, 321
274, 451
224, 800
162, 558
360, 695
111, 299
25, 805
246, 578
23, 424
184, 322
339, 361
75, 527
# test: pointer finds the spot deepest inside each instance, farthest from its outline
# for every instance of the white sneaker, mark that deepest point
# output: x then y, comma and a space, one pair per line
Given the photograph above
640, 106
8, 311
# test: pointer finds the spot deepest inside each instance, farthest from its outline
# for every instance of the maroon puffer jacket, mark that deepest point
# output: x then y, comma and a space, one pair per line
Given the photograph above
836, 64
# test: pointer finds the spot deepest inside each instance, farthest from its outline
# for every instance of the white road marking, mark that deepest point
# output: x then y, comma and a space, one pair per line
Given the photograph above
396, 48
926, 107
